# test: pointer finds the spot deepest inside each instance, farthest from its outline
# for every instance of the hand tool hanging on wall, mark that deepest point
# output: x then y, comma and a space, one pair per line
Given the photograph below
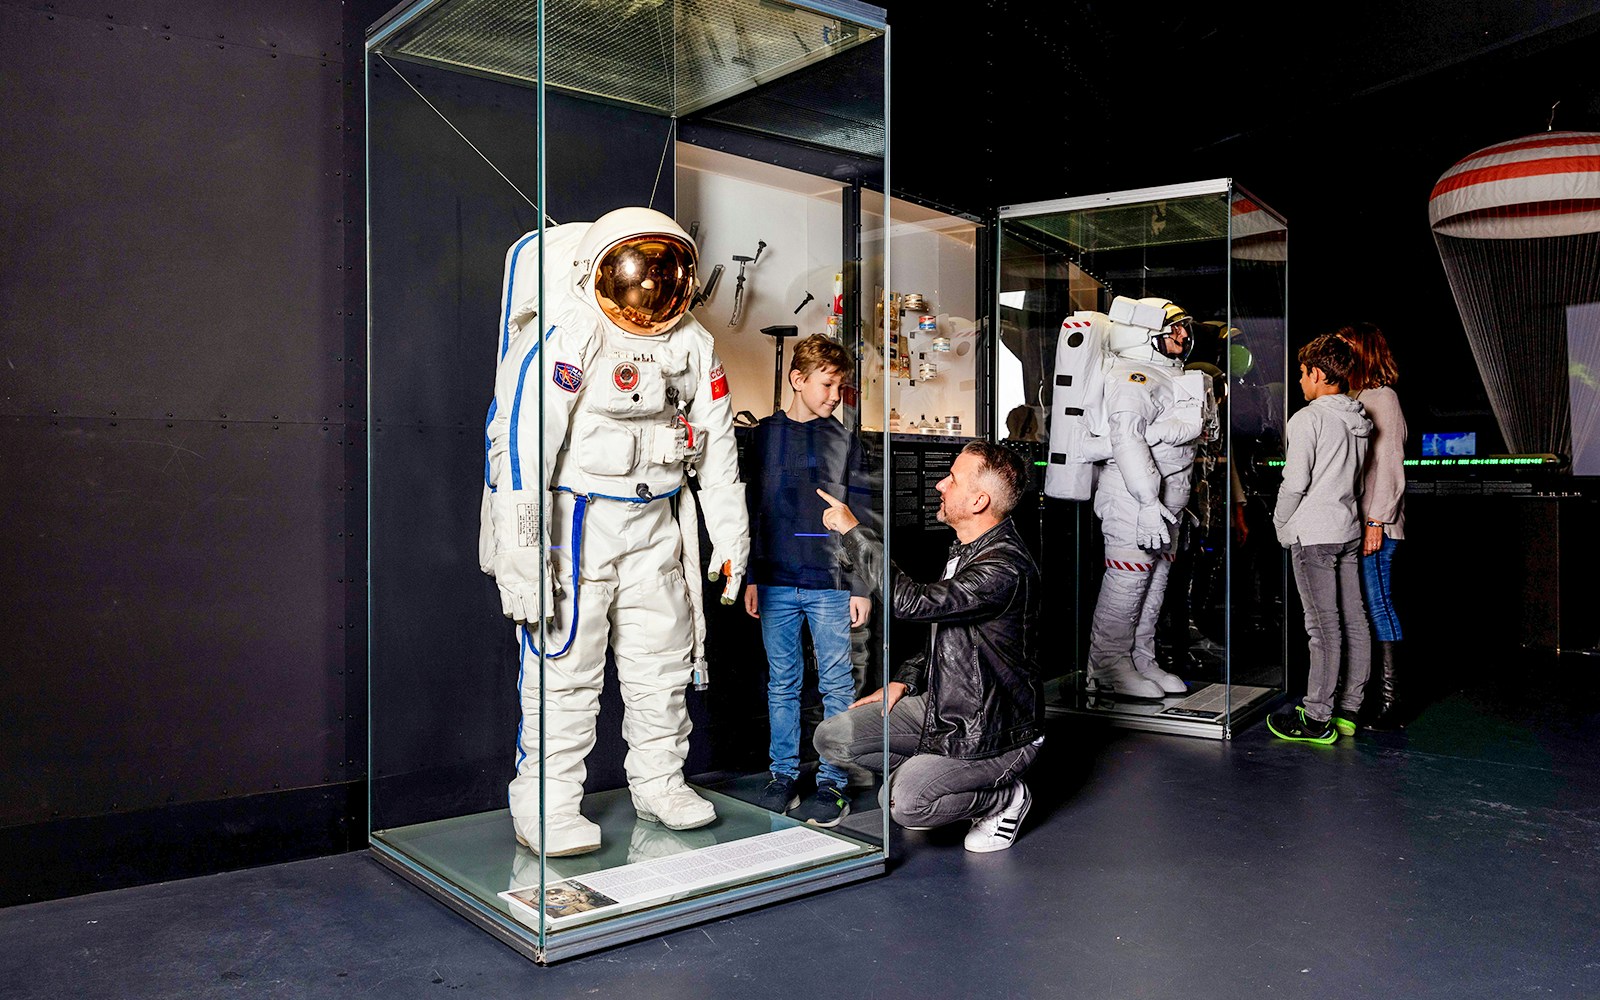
704, 294
738, 287
803, 302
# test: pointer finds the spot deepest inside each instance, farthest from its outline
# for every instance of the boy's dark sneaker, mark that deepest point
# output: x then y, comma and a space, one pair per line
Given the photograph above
779, 795
1292, 724
1344, 720
826, 808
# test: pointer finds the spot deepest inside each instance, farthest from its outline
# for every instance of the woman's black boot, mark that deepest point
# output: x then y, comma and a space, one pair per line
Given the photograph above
1388, 718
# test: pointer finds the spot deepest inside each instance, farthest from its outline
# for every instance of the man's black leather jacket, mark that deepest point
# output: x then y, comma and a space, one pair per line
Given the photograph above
980, 669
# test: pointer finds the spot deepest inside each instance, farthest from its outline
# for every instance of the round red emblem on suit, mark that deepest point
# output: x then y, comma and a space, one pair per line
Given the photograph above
626, 376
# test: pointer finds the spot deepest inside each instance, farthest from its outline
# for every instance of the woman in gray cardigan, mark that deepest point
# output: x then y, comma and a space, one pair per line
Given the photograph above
1383, 500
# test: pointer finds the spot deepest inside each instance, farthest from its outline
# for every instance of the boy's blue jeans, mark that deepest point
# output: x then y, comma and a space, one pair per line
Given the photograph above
827, 612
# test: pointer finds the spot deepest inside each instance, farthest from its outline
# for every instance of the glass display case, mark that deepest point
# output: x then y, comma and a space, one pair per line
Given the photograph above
593, 230
1208, 611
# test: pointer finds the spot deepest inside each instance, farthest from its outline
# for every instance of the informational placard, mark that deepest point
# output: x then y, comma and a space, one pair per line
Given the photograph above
676, 876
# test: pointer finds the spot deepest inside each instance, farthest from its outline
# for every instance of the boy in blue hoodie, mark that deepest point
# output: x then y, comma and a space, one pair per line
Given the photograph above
1318, 520
796, 573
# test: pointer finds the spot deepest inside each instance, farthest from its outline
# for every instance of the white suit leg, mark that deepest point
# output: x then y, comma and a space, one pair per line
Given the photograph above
652, 641
1175, 495
571, 701
1122, 593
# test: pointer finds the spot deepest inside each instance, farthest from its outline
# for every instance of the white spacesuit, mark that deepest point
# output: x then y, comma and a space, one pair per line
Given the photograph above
586, 542
1124, 402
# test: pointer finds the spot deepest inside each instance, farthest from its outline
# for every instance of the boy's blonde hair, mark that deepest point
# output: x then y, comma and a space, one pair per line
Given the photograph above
818, 352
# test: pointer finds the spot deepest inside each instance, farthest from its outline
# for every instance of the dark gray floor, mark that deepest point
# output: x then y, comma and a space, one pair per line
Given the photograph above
1455, 860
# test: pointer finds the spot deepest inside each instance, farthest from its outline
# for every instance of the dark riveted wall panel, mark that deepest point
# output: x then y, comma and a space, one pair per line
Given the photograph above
174, 621
180, 202
172, 423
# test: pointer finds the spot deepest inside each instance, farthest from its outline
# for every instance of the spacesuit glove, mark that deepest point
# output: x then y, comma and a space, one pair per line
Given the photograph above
729, 560
723, 512
523, 556
1150, 533
519, 592
1090, 448
1178, 429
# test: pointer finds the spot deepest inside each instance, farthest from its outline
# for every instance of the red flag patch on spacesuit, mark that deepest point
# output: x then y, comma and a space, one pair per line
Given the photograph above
568, 377
1137, 377
626, 376
719, 383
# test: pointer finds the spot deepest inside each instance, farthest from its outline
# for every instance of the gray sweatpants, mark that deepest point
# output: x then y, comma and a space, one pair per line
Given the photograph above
925, 789
1329, 578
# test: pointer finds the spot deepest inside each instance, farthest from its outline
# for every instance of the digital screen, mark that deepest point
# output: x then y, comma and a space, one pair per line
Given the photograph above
1450, 443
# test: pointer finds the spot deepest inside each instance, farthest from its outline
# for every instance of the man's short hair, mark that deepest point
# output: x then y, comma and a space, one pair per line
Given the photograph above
1006, 477
1334, 356
817, 352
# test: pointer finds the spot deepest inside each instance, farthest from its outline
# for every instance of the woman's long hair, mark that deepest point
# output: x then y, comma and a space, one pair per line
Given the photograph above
1374, 365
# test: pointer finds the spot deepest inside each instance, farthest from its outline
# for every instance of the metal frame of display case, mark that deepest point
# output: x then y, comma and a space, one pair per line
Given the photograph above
1232, 717
471, 25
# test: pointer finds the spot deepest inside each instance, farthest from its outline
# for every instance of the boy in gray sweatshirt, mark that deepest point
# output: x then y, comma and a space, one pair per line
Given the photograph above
1318, 519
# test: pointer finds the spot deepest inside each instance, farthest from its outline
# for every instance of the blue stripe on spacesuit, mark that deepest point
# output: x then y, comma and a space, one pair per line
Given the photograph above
494, 404
516, 411
511, 283
522, 632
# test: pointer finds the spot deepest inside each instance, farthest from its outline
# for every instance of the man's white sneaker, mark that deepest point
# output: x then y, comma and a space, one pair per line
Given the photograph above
998, 830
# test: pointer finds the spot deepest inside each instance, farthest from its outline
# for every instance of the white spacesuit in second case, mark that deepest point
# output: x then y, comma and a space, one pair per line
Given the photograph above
635, 402
1139, 415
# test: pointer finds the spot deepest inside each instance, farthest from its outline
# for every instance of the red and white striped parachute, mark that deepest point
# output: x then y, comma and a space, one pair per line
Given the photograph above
1517, 226
1547, 184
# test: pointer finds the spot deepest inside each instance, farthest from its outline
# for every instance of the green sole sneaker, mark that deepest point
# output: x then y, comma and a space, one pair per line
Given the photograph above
1346, 725
1293, 725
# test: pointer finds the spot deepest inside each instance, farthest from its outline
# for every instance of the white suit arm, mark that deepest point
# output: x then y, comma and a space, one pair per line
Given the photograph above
722, 501
1142, 478
542, 371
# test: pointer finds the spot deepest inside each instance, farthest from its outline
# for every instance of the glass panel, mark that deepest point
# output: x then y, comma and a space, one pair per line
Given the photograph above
934, 341
1081, 363
1256, 357
576, 318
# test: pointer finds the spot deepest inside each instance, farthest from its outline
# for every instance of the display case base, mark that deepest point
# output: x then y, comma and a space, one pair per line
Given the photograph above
467, 862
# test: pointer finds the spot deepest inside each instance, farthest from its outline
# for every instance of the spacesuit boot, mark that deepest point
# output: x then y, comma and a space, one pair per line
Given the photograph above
672, 803
564, 836
1144, 639
571, 704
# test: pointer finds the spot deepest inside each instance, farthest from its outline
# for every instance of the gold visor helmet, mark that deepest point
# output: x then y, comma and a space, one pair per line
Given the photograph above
643, 274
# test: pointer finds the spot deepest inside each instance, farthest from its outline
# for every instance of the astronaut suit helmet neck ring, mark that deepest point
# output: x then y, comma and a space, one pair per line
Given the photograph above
637, 267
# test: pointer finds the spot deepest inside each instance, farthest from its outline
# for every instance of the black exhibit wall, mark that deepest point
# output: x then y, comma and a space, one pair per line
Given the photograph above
182, 443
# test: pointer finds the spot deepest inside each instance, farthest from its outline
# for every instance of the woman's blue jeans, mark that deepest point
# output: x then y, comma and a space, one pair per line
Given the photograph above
827, 612
1380, 597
